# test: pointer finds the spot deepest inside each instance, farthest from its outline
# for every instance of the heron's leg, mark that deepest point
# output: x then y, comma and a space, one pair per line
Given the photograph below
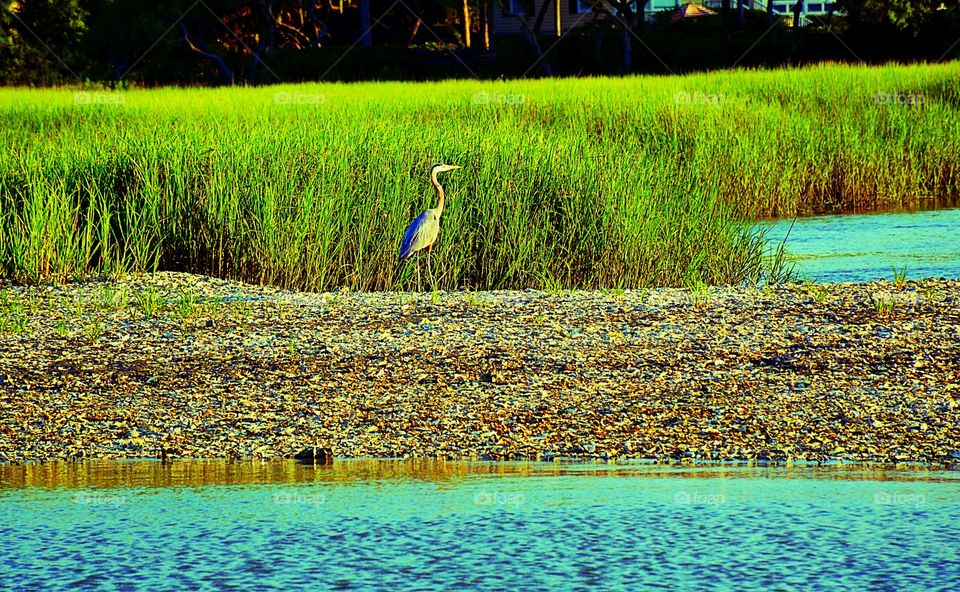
417, 262
433, 283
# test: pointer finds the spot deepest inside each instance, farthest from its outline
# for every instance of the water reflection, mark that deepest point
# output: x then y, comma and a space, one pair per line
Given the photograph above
200, 473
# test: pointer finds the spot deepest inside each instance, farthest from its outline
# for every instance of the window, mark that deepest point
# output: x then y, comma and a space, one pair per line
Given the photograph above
585, 6
516, 7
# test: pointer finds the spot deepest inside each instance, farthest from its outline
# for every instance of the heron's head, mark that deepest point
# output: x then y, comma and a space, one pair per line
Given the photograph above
442, 168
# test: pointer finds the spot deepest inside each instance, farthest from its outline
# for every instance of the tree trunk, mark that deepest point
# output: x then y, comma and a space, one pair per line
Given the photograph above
490, 25
466, 23
642, 15
741, 16
598, 34
770, 21
366, 35
222, 65
535, 44
798, 9
627, 49
532, 34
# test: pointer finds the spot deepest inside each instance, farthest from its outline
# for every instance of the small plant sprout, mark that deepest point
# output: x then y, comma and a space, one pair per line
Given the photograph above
114, 299
615, 293
33, 303
817, 291
13, 317
93, 330
899, 277
215, 306
62, 328
244, 310
882, 304
186, 305
699, 293
151, 301
76, 306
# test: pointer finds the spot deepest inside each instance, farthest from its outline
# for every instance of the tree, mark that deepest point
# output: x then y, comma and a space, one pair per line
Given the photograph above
39, 40
906, 15
531, 31
628, 22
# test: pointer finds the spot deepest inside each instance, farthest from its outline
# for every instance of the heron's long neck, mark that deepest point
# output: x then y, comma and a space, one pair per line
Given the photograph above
436, 184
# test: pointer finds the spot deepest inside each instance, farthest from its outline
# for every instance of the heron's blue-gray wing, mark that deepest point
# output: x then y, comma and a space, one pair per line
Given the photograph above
410, 236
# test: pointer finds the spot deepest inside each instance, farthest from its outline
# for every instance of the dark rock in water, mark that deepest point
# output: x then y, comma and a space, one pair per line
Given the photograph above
315, 454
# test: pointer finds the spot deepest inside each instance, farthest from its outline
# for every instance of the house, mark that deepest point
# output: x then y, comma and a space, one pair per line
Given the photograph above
563, 15
811, 7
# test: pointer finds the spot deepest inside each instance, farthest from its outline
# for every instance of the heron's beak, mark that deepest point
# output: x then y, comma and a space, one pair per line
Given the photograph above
453, 167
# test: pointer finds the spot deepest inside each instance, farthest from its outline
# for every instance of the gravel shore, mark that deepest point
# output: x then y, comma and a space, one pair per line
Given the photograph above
188, 366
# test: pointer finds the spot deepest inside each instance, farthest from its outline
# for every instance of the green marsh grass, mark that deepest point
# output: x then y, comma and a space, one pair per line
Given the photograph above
581, 184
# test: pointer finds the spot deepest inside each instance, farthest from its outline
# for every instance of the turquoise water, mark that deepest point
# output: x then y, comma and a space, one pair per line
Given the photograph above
401, 526
864, 247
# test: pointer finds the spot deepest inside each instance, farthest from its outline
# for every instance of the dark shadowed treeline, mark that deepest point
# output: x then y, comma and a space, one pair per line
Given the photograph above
183, 42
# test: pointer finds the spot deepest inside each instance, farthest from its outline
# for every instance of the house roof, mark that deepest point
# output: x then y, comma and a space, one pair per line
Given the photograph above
690, 10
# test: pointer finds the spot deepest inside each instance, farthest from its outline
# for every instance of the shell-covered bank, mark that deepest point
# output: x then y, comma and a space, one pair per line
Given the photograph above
175, 365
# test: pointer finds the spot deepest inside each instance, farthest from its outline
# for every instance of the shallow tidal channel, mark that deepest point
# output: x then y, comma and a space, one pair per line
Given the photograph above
431, 525
867, 247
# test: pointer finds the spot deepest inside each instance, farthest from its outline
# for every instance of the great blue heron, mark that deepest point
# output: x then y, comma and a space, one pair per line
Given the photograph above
423, 231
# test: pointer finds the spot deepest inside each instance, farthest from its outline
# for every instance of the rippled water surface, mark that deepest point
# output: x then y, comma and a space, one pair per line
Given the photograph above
864, 247
434, 526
